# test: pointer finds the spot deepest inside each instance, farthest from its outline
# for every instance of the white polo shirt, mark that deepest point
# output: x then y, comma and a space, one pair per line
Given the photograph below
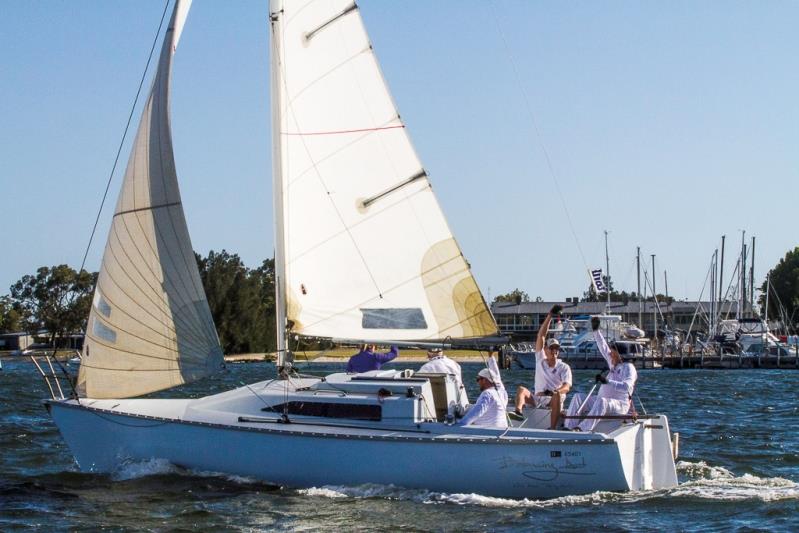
550, 378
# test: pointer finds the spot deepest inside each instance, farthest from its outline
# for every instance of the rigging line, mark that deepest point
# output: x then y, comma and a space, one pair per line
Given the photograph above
538, 134
339, 132
124, 136
309, 170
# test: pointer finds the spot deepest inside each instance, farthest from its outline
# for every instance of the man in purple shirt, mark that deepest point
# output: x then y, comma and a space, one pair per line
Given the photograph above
367, 359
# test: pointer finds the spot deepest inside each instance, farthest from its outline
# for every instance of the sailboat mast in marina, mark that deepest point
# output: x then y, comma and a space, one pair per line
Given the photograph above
362, 252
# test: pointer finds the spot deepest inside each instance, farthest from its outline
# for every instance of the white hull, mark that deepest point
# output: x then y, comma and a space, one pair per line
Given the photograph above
206, 435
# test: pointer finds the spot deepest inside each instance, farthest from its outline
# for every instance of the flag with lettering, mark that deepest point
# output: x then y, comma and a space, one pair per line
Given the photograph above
596, 277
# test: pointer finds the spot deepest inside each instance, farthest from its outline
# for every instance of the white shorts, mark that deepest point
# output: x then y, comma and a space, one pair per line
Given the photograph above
542, 402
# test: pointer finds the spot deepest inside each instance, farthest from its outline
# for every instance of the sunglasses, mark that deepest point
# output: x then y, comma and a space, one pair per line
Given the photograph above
555, 348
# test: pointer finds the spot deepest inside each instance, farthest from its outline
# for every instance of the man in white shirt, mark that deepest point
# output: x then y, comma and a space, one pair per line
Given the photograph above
438, 363
616, 393
490, 408
553, 377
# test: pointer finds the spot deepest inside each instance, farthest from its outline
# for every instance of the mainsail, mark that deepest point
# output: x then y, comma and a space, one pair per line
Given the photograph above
363, 250
150, 327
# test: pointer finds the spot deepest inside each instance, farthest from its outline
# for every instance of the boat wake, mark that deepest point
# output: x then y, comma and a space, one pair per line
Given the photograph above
702, 482
705, 482
717, 483
134, 470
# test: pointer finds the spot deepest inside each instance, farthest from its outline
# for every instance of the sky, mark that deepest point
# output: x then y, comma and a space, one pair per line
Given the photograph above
540, 124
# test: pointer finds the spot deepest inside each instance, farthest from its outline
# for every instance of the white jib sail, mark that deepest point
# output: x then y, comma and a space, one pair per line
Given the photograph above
367, 251
150, 327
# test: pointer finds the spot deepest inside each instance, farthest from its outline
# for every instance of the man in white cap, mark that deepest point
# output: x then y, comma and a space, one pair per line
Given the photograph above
553, 377
490, 408
615, 394
438, 363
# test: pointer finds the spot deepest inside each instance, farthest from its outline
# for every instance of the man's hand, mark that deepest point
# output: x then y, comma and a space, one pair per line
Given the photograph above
601, 379
556, 309
594, 323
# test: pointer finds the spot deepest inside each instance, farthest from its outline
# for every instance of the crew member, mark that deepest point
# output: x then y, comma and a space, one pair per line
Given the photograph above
367, 359
616, 392
438, 363
553, 377
490, 408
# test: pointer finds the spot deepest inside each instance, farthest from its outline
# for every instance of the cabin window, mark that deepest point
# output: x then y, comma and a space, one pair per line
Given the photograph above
354, 411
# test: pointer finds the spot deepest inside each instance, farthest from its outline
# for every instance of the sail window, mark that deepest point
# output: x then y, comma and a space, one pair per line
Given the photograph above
103, 307
104, 332
393, 318
354, 411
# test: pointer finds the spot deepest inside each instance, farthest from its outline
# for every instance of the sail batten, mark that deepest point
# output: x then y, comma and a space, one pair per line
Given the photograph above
149, 315
365, 250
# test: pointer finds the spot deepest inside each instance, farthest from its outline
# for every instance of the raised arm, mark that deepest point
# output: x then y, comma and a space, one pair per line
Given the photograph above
542, 331
493, 367
601, 343
388, 356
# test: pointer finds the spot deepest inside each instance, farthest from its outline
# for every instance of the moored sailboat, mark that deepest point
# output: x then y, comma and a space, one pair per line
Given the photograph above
376, 261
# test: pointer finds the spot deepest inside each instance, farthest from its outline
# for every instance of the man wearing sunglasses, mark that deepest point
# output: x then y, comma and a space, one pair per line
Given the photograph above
553, 377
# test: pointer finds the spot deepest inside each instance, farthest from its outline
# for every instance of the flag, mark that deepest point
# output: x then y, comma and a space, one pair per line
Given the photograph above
596, 277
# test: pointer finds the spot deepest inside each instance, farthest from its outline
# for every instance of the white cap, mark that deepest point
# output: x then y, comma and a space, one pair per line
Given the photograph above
552, 342
486, 373
434, 352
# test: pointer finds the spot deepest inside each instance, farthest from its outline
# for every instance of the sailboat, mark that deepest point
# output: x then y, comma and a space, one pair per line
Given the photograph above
363, 252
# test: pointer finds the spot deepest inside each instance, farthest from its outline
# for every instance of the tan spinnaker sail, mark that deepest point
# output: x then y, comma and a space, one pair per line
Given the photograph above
150, 327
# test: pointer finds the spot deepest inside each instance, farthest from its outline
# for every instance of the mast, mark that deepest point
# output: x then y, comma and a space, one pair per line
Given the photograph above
654, 299
752, 280
721, 278
607, 267
712, 321
666, 284
640, 302
284, 357
742, 277
768, 289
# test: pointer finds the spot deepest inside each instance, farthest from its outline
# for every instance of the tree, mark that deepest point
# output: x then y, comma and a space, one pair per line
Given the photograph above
516, 296
784, 292
241, 301
10, 316
56, 299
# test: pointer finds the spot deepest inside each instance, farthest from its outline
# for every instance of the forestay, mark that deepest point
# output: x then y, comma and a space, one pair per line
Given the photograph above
150, 327
367, 253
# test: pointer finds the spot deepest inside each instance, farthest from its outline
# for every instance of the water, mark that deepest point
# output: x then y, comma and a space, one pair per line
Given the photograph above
738, 469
